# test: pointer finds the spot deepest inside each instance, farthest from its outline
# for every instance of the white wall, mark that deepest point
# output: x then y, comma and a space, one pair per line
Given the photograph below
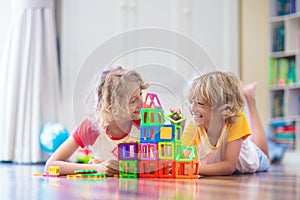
85, 25
5, 17
255, 51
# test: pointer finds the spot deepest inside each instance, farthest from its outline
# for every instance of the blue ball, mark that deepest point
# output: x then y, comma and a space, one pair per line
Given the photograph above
52, 136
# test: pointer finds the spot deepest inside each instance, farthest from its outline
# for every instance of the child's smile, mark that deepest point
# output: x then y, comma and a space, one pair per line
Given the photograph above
135, 104
201, 114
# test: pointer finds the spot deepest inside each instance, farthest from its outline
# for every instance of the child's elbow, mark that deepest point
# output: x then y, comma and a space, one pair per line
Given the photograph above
46, 167
47, 164
229, 170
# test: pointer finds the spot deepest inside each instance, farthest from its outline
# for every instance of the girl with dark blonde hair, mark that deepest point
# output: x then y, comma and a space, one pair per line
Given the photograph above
116, 117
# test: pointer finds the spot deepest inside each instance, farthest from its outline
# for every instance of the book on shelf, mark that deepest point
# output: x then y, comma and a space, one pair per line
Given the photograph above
285, 136
278, 105
285, 129
298, 39
282, 123
282, 71
272, 72
289, 143
298, 105
284, 132
284, 7
283, 68
292, 74
278, 38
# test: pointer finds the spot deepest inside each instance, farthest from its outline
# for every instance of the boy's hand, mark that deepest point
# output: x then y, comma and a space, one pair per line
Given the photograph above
176, 112
176, 115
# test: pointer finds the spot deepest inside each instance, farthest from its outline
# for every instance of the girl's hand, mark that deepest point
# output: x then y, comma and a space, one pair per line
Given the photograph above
108, 167
92, 160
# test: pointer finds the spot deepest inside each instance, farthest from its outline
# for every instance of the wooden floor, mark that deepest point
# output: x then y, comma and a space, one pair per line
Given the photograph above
18, 182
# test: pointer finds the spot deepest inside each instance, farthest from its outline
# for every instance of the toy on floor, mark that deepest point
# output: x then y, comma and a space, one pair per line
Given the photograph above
54, 171
86, 173
159, 152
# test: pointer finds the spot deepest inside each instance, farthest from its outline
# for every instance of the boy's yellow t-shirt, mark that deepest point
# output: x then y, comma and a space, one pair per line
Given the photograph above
240, 129
207, 153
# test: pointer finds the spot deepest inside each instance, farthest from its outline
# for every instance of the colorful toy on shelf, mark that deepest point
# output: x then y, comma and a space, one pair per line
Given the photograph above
159, 153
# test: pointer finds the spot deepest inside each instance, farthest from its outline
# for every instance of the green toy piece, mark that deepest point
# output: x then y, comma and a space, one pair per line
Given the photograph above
128, 168
175, 118
93, 175
190, 151
152, 117
85, 171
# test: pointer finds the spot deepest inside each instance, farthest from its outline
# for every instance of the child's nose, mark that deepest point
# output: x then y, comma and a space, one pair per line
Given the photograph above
140, 100
192, 106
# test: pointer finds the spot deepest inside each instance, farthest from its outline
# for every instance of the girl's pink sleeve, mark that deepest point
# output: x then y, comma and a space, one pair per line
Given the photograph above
85, 134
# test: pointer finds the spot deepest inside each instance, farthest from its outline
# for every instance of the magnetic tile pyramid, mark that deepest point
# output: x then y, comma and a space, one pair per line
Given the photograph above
159, 152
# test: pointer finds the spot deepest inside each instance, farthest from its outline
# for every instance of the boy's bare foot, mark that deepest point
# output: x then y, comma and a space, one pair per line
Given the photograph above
249, 90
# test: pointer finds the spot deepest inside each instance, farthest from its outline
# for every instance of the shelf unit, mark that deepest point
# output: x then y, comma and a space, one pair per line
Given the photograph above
284, 72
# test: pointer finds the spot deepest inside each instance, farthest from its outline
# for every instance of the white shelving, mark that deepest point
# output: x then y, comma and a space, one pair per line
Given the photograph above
284, 72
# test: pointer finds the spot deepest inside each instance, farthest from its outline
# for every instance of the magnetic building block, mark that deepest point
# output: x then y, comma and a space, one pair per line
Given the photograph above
152, 101
148, 169
160, 152
148, 151
128, 150
167, 133
149, 133
128, 168
152, 117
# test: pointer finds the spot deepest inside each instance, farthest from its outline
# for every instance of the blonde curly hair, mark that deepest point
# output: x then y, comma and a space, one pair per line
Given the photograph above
221, 91
112, 93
